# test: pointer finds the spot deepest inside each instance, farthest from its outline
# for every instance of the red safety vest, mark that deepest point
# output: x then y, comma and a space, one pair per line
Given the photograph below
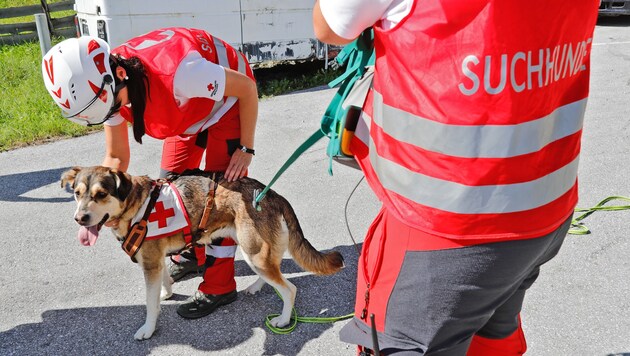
476, 115
161, 52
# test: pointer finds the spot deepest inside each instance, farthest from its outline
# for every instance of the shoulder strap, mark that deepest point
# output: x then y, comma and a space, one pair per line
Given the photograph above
356, 56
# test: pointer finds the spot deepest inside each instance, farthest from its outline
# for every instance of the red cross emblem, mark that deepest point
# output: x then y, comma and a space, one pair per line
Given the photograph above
160, 214
210, 87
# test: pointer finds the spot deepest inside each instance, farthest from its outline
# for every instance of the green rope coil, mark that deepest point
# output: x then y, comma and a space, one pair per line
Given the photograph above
578, 228
301, 319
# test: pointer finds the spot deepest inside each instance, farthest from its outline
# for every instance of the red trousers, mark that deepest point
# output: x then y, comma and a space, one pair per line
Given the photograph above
513, 345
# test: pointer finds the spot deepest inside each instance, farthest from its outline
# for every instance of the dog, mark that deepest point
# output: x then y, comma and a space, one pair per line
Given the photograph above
108, 195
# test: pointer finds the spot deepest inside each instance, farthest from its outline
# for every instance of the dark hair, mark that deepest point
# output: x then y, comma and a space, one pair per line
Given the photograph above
137, 89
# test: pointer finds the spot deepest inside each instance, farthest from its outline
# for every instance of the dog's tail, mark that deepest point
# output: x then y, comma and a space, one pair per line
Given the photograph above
304, 253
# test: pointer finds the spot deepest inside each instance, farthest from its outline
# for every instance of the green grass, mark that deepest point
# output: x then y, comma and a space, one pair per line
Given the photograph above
285, 78
20, 3
27, 113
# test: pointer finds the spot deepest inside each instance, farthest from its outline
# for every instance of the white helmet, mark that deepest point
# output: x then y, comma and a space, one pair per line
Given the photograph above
79, 78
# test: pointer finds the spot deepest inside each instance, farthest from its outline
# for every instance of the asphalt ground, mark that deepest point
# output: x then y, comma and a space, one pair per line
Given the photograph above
58, 297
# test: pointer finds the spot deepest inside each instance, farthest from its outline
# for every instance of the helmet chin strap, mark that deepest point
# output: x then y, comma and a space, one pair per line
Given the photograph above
107, 80
115, 104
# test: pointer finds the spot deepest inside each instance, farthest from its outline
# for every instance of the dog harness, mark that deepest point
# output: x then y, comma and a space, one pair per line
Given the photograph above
162, 214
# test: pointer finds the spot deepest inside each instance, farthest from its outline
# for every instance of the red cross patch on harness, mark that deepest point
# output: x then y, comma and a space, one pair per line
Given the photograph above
161, 215
168, 215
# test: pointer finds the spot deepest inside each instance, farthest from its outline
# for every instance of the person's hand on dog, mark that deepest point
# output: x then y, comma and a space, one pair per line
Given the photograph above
238, 165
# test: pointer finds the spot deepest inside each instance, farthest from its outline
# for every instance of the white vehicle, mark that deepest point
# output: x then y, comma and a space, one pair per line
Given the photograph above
267, 31
614, 7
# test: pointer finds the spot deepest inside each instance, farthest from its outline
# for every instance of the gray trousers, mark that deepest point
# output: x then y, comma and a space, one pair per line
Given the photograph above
442, 298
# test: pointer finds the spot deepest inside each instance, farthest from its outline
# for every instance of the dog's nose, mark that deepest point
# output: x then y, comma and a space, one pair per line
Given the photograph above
82, 218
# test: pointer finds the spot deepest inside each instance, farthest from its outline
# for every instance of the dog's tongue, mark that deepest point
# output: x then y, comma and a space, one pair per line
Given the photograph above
87, 235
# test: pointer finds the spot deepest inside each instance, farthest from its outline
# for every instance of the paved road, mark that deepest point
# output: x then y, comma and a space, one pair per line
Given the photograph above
58, 297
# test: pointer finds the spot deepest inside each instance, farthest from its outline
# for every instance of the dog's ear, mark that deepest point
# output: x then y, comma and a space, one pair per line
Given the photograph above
68, 176
123, 183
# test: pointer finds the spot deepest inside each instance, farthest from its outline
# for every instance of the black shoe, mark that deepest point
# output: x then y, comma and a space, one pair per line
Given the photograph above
177, 271
201, 304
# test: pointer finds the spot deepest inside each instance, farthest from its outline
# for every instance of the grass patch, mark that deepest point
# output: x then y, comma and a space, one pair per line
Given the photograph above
285, 78
30, 18
27, 113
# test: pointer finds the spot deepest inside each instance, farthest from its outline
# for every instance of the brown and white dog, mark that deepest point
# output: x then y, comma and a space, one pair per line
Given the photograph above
104, 194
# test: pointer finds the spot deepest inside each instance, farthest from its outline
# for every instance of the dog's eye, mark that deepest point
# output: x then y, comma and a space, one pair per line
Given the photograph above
76, 194
100, 195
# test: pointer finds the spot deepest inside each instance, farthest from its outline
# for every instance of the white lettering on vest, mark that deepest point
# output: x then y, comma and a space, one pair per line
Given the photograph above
531, 68
486, 78
205, 45
517, 87
540, 68
470, 74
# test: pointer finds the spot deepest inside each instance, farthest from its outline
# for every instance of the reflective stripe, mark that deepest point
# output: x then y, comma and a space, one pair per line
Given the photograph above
463, 199
222, 56
479, 141
362, 132
221, 251
241, 63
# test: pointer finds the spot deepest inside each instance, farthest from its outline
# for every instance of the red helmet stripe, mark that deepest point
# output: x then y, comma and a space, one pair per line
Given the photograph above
49, 69
57, 93
92, 46
95, 88
99, 61
66, 104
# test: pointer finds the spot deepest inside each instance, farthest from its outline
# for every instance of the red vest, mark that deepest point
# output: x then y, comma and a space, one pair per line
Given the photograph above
161, 51
476, 116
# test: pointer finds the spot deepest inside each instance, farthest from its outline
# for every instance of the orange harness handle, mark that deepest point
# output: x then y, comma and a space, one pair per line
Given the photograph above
138, 231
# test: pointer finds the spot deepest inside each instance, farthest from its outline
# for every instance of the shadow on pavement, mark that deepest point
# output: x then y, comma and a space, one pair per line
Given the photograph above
109, 330
614, 21
13, 186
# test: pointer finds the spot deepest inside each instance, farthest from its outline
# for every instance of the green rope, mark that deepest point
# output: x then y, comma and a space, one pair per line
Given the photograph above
578, 228
301, 319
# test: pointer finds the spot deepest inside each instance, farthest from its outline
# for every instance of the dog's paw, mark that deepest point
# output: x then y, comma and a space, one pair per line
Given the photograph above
255, 287
166, 293
145, 332
251, 290
280, 321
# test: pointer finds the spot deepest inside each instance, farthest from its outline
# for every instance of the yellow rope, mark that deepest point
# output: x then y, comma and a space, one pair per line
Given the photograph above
578, 228
301, 319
